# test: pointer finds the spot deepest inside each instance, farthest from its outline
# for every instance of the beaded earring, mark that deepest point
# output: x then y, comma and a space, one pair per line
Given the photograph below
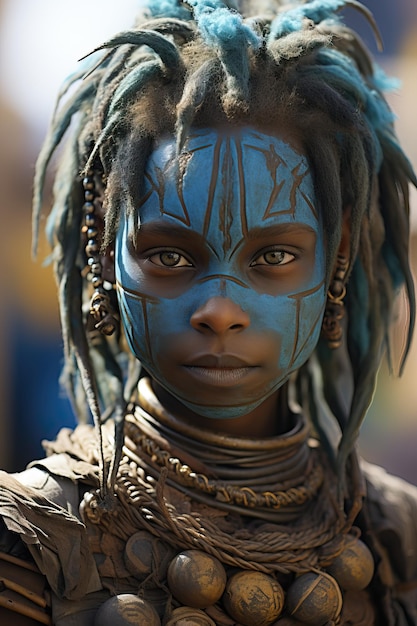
106, 321
335, 309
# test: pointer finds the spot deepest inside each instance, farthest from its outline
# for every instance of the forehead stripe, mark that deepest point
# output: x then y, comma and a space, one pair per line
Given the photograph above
212, 186
242, 189
226, 200
310, 205
186, 220
296, 183
148, 194
274, 195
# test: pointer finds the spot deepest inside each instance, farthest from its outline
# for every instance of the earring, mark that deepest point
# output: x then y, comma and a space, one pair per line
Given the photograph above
335, 309
101, 310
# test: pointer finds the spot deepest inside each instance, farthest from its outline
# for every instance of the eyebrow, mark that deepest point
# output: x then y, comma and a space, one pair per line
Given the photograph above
180, 233
279, 229
275, 230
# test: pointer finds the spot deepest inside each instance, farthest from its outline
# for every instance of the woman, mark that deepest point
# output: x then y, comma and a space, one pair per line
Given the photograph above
227, 263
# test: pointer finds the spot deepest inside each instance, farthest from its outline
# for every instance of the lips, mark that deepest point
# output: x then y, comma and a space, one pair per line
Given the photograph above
218, 361
219, 369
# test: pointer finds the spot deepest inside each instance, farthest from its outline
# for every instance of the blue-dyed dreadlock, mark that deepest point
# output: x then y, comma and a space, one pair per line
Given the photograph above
208, 63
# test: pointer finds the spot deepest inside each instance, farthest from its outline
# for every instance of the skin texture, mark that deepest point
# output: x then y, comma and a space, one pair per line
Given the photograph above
222, 288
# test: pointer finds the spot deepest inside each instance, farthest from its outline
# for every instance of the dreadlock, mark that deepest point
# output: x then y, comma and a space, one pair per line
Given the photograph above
204, 63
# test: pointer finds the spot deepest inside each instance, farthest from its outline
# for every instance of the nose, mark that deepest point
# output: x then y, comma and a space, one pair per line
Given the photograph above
219, 315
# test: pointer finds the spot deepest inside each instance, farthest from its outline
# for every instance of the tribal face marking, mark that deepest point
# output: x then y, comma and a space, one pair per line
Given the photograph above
222, 288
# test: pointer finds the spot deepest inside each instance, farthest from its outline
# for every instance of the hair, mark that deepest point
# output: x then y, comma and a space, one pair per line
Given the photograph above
205, 63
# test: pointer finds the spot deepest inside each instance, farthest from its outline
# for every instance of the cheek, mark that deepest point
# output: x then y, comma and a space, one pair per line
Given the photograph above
149, 321
277, 317
133, 311
295, 321
304, 328
167, 317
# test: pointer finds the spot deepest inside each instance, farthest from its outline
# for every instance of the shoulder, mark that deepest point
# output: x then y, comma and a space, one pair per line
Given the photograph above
40, 520
69, 468
391, 508
24, 593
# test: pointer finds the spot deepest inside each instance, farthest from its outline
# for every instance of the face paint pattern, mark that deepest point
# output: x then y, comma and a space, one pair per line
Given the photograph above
228, 196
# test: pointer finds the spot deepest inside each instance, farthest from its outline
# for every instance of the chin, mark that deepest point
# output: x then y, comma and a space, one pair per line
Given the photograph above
222, 412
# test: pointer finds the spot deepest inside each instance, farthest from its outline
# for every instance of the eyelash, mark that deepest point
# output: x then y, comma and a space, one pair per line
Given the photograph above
278, 250
188, 263
167, 252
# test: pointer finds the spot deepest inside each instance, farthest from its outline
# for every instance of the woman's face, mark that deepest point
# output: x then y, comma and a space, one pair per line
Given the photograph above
222, 288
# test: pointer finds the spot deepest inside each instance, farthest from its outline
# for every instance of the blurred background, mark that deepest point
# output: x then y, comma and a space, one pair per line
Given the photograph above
40, 42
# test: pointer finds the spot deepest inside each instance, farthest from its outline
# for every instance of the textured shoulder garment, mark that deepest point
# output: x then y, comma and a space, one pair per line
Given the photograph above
264, 507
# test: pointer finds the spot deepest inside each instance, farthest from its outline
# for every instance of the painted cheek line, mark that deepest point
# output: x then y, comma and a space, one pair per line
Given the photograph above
137, 295
132, 333
296, 353
298, 297
308, 292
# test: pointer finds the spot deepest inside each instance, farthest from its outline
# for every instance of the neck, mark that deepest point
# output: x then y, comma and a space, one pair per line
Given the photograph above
271, 418
243, 474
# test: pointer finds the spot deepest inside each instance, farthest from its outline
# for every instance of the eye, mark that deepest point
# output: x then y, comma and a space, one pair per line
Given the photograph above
169, 258
273, 257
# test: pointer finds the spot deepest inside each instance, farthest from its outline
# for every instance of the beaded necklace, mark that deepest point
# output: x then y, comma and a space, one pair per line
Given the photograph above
185, 500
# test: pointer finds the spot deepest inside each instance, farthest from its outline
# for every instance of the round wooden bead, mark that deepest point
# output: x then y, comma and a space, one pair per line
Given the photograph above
253, 598
144, 552
88, 182
354, 567
187, 616
125, 610
314, 598
138, 553
196, 579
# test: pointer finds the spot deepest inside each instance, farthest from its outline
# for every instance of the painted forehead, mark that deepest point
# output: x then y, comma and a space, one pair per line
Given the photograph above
230, 182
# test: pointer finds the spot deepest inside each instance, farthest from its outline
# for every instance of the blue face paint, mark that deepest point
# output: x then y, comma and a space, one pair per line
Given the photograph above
222, 289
